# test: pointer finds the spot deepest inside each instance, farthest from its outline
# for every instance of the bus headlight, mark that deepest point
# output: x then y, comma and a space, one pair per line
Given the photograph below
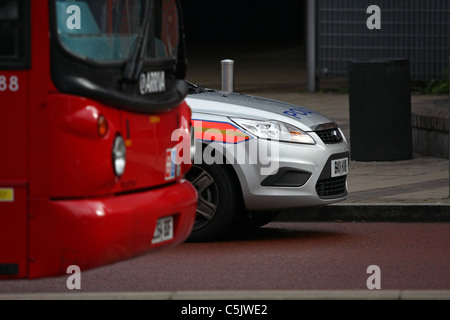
119, 156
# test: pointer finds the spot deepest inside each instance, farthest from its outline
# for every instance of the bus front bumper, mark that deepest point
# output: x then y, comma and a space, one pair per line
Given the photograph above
93, 232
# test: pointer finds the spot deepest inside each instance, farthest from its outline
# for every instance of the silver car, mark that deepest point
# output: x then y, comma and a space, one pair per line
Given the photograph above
257, 156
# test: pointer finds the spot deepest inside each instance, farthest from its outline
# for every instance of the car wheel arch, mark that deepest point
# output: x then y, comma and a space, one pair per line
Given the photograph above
216, 183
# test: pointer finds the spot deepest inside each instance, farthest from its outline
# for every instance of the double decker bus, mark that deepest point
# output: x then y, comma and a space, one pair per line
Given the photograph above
92, 115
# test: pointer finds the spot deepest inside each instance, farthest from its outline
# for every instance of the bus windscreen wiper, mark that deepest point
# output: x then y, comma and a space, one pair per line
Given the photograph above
134, 64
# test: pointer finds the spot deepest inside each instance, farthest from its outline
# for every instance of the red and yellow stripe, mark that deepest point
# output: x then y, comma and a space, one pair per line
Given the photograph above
218, 132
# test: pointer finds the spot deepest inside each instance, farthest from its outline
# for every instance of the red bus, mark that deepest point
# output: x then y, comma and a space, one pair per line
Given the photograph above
91, 93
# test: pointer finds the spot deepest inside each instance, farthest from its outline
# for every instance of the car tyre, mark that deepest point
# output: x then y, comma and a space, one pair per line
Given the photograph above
219, 200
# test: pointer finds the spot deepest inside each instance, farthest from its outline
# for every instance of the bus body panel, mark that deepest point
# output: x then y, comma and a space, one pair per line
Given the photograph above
60, 200
13, 173
77, 151
13, 230
14, 124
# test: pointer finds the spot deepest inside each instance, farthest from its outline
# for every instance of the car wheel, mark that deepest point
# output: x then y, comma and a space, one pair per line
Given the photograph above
219, 200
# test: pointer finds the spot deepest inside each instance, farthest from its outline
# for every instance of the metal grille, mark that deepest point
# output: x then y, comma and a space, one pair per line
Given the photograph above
418, 30
330, 136
331, 187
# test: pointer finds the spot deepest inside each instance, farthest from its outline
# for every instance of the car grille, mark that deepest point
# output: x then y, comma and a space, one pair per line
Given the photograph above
332, 187
330, 136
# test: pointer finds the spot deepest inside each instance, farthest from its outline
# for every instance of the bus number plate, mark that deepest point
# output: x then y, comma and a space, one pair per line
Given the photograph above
163, 230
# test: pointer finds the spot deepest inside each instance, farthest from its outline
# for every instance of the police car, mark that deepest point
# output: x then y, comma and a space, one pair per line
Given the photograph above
256, 156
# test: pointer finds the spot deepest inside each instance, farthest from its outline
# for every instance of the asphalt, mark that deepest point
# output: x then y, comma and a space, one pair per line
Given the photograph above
415, 189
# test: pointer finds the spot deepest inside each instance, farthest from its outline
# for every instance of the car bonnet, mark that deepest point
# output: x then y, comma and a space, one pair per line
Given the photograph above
254, 107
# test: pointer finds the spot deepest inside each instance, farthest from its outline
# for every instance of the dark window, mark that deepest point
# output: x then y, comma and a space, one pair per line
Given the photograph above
14, 34
9, 29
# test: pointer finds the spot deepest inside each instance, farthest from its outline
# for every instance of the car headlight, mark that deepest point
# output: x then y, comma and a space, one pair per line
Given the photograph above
274, 130
119, 156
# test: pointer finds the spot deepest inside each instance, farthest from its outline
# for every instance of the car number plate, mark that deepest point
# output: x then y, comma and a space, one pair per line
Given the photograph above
163, 230
339, 167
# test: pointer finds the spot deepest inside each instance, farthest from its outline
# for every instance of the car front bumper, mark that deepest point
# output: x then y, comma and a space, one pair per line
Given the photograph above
295, 175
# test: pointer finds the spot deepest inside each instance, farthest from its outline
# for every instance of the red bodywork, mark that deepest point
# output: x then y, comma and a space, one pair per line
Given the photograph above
60, 202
